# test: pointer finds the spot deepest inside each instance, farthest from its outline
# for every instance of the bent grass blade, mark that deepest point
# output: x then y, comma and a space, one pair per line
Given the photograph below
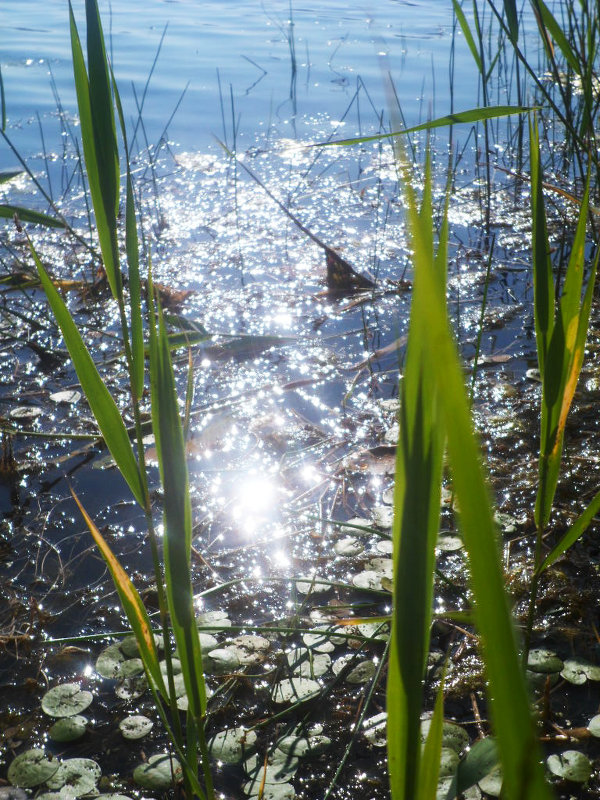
100, 400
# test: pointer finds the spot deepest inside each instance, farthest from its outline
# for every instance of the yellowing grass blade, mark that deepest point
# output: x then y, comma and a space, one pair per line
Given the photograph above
131, 602
100, 400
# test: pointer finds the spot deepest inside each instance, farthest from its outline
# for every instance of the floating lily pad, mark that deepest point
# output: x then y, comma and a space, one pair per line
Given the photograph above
375, 730
312, 585
384, 566
594, 726
26, 412
570, 765
323, 642
131, 688
108, 663
232, 746
348, 546
175, 666
250, 649
374, 630
362, 672
291, 690
68, 396
159, 773
135, 727
449, 544
66, 700
131, 667
280, 767
12, 793
221, 661
304, 746
539, 679
80, 775
453, 736
308, 664
31, 768
207, 642
270, 791
506, 522
368, 579
385, 546
543, 660
68, 729
448, 762
574, 672
213, 618
383, 516
492, 783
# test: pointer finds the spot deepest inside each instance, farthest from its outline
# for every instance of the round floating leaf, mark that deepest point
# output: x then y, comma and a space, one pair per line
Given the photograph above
481, 759
385, 546
271, 791
68, 729
213, 618
207, 642
362, 672
250, 649
159, 773
492, 783
69, 396
543, 660
310, 665
383, 516
374, 630
221, 661
280, 767
448, 762
131, 688
232, 746
66, 700
574, 671
131, 667
12, 793
368, 579
449, 544
31, 768
291, 690
175, 666
79, 775
348, 546
323, 642
312, 585
506, 522
304, 746
114, 797
135, 727
129, 647
374, 730
384, 566
108, 664
591, 670
453, 736
341, 663
594, 726
25, 412
570, 765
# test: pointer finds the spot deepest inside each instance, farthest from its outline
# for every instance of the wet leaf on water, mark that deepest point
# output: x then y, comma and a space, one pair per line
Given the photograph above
80, 775
388, 496
570, 765
348, 546
159, 773
304, 746
374, 630
324, 642
232, 746
31, 768
250, 649
542, 660
574, 672
135, 727
311, 585
271, 791
492, 783
506, 522
383, 516
481, 759
308, 665
207, 642
131, 667
12, 793
66, 700
385, 546
538, 680
131, 688
375, 730
68, 729
383, 566
108, 663
453, 736
449, 544
175, 666
448, 762
68, 396
369, 580
292, 690
280, 767
362, 672
26, 412
594, 726
213, 618
221, 661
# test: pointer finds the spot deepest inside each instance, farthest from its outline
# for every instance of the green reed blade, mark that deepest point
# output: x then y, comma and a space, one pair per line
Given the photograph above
432, 751
9, 174
467, 117
516, 732
91, 108
512, 19
546, 20
133, 264
131, 602
170, 448
464, 26
2, 103
27, 215
100, 400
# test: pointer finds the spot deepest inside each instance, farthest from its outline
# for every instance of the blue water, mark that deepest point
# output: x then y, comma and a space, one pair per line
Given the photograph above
248, 43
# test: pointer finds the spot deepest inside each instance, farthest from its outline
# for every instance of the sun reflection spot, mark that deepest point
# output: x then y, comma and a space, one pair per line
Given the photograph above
88, 670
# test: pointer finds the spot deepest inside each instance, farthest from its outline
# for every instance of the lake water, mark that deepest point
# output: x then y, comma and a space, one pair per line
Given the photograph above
335, 45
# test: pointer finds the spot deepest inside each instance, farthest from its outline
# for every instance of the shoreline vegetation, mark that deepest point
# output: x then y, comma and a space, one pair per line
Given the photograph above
198, 670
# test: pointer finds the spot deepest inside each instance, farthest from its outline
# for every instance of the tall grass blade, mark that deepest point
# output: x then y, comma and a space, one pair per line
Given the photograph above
512, 19
170, 448
466, 30
546, 20
99, 398
516, 733
92, 105
576, 530
2, 103
430, 760
131, 602
26, 215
